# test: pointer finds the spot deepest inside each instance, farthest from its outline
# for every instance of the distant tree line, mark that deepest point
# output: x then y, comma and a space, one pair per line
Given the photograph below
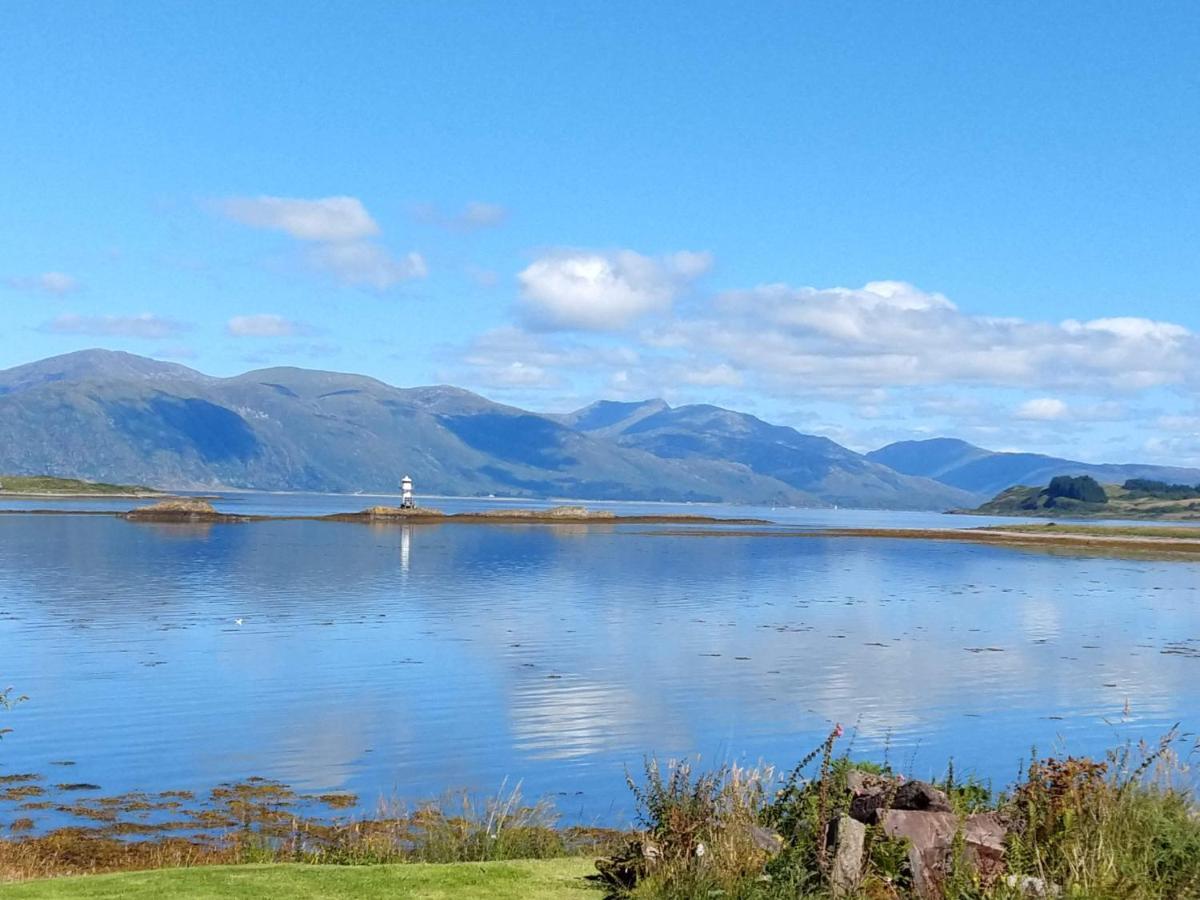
1160, 490
1083, 488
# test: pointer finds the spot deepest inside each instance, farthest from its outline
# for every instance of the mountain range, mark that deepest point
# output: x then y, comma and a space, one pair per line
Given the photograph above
117, 417
987, 472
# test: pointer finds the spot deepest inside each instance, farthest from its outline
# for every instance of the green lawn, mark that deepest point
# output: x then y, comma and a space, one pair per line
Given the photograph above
524, 880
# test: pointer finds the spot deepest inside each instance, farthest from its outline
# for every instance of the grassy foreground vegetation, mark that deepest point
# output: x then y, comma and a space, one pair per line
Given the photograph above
1125, 828
521, 880
1122, 828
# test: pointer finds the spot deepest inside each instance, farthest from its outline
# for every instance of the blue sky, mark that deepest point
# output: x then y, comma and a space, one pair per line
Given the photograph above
871, 221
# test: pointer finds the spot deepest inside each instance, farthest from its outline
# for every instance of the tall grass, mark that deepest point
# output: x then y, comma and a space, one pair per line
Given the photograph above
703, 831
1122, 828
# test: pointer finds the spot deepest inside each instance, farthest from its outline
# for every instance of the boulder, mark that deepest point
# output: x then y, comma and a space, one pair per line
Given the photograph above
873, 793
931, 836
917, 795
849, 839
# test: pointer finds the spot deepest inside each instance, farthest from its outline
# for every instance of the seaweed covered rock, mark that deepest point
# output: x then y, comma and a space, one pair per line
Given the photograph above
182, 509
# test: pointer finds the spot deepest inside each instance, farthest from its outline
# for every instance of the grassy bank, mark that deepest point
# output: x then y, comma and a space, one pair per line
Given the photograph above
523, 880
1155, 532
1120, 828
48, 486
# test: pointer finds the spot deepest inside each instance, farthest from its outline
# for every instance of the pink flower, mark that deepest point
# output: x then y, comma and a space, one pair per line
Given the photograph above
838, 730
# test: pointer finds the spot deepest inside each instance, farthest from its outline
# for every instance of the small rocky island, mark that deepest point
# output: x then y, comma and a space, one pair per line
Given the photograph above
181, 509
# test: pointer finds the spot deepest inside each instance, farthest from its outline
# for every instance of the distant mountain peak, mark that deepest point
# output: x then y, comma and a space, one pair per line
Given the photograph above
92, 364
985, 472
612, 416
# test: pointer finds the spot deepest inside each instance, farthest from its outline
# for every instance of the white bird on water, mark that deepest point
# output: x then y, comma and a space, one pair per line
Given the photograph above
237, 621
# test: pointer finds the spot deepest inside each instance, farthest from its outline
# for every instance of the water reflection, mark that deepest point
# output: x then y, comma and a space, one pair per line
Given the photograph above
411, 659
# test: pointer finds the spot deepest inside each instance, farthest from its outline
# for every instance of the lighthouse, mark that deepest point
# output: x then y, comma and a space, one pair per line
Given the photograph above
406, 494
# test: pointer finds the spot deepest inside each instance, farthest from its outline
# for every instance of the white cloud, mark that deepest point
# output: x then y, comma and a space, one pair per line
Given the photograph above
47, 283
332, 219
365, 264
1042, 409
337, 231
836, 345
1130, 327
892, 333
264, 325
603, 291
146, 325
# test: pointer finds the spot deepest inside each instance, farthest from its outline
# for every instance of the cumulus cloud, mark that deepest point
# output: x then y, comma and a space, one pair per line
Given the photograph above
337, 232
892, 333
473, 217
46, 283
264, 325
890, 342
146, 326
1042, 409
575, 290
333, 219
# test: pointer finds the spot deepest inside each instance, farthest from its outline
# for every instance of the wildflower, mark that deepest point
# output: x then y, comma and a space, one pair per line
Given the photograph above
700, 851
838, 731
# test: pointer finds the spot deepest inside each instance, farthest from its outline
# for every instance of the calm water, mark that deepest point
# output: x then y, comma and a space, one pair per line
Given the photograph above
406, 661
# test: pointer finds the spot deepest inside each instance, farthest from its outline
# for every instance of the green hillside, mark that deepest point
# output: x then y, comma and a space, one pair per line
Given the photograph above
1082, 497
41, 485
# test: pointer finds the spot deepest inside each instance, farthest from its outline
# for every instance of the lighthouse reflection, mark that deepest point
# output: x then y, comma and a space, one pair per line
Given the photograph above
405, 548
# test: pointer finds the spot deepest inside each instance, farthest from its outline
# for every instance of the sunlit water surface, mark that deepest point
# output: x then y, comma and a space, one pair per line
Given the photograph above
405, 661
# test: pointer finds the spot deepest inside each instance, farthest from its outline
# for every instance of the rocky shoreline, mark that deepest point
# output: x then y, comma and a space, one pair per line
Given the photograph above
193, 511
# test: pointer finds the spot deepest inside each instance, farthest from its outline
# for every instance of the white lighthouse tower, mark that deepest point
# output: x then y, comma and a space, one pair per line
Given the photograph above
406, 494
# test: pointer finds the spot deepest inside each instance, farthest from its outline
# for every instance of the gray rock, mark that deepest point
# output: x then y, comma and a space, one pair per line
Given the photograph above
849, 840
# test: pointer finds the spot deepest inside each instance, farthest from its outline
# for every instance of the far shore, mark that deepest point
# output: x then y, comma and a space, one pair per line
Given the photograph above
1084, 537
1100, 538
83, 495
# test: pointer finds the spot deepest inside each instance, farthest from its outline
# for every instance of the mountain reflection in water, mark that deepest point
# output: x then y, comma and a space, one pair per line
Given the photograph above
405, 661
